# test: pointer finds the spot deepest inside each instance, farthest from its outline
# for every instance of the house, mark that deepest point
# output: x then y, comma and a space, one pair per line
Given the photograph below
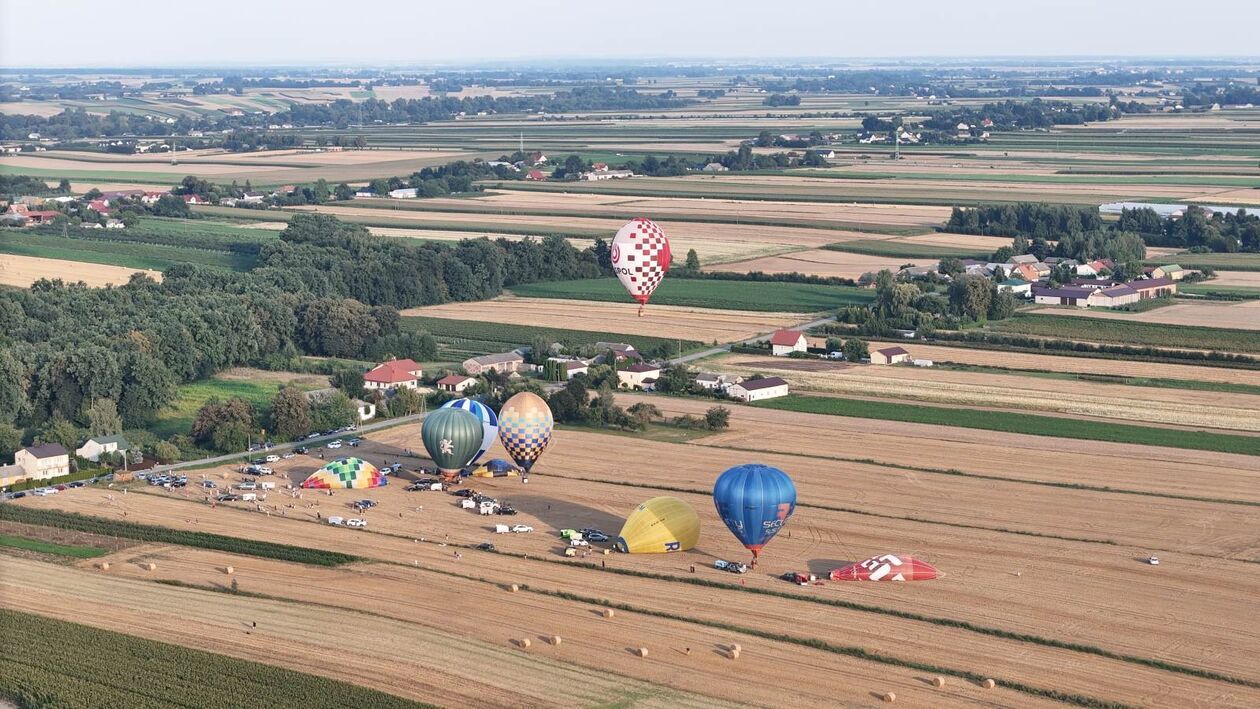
404, 193
621, 350
574, 367
364, 194
890, 355
535, 175
392, 375
152, 197
607, 175
715, 167
783, 342
636, 376
94, 447
455, 383
47, 460
42, 216
192, 199
537, 159
1172, 272
757, 389
1065, 295
1113, 296
1154, 287
1027, 272
507, 363
1016, 286
1095, 282
91, 225
719, 383
253, 197
1022, 258
100, 206
913, 272
11, 475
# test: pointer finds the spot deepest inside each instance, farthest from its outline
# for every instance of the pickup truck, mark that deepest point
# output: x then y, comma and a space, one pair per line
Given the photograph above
732, 566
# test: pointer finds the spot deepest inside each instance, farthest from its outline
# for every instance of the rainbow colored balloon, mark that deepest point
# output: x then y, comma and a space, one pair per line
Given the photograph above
346, 473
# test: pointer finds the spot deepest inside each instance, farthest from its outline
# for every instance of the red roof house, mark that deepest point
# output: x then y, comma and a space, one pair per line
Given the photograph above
785, 341
392, 375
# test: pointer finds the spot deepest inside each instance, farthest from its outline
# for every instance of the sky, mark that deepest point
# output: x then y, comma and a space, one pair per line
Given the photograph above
53, 33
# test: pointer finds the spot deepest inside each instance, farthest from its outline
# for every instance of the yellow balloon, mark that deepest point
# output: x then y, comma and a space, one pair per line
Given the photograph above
662, 524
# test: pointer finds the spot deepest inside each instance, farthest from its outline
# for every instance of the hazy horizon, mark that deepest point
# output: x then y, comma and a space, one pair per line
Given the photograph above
149, 34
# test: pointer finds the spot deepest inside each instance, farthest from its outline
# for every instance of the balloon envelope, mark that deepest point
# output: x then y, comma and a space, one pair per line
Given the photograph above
525, 425
887, 567
640, 257
754, 501
489, 422
660, 525
345, 473
452, 437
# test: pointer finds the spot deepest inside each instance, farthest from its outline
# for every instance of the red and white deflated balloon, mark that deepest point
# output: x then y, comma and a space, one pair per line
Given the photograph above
640, 257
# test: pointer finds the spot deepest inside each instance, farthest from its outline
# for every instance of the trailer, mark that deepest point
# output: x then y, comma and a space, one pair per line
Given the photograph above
502, 529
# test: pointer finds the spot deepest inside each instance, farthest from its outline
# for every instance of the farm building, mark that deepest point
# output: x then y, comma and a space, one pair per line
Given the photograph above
1172, 272
94, 447
597, 175
890, 355
41, 216
192, 199
392, 375
636, 376
455, 383
1154, 287
1113, 296
404, 193
717, 382
621, 350
364, 194
575, 367
1016, 286
783, 342
1065, 295
758, 389
715, 167
507, 363
535, 175
47, 460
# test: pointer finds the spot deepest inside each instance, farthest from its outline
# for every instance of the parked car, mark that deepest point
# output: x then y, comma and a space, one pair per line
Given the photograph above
17, 495
732, 566
43, 491
799, 578
485, 546
336, 521
228, 498
356, 523
595, 536
354, 442
579, 543
77, 483
208, 484
334, 444
300, 450
521, 529
393, 467
247, 486
316, 434
505, 509
466, 492
1153, 561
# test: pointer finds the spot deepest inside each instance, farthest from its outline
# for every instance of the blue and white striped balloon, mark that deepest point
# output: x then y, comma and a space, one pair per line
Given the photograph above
489, 422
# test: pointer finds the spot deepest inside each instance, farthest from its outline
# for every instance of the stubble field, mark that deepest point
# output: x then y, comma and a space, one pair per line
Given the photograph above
22, 271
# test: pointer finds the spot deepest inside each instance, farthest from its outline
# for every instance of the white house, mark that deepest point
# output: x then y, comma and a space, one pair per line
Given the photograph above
572, 368
636, 376
719, 383
507, 363
1016, 286
597, 175
783, 342
392, 375
758, 389
47, 460
890, 355
455, 383
94, 447
404, 193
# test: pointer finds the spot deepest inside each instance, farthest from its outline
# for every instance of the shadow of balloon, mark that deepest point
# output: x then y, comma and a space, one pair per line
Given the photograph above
824, 567
563, 514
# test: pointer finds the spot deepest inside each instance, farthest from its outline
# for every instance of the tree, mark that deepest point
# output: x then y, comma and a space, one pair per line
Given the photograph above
333, 411
343, 192
406, 402
166, 452
834, 344
855, 349
103, 418
1003, 306
693, 260
1002, 255
223, 425
644, 413
60, 430
951, 266
718, 418
10, 441
290, 414
971, 296
380, 186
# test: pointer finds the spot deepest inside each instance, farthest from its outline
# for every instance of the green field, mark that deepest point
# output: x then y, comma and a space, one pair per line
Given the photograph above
773, 296
468, 338
43, 547
1009, 422
1220, 262
53, 663
105, 250
128, 176
178, 417
1130, 332
472, 229
901, 249
1208, 290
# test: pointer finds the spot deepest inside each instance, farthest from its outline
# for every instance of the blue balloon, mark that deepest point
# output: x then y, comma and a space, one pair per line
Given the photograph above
754, 501
489, 422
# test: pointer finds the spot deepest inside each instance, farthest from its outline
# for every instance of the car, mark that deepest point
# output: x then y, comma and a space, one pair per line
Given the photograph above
1153, 561
331, 432
141, 476
733, 567
334, 444
356, 522
505, 510
254, 447
393, 467
466, 492
309, 436
16, 495
273, 458
44, 491
228, 497
521, 529
579, 543
354, 442
208, 484
258, 461
301, 450
288, 454
596, 536
336, 521
485, 546
799, 578
77, 483
180, 483
246, 486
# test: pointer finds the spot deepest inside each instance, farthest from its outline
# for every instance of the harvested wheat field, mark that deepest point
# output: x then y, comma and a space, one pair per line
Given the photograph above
1077, 365
1208, 409
22, 271
1244, 315
817, 262
1249, 279
703, 324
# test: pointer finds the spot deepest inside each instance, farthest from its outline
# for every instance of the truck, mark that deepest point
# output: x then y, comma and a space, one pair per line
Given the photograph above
468, 504
249, 496
336, 521
501, 529
732, 566
570, 534
487, 507
266, 486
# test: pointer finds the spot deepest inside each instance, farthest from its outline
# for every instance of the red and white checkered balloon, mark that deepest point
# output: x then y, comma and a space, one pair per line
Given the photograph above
640, 257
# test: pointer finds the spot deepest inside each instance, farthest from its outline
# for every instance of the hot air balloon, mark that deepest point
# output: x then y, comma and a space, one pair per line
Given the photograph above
489, 422
640, 258
345, 473
754, 501
887, 567
525, 425
452, 437
660, 525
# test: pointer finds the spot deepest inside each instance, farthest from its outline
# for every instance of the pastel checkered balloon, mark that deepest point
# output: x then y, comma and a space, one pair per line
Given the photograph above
525, 425
640, 258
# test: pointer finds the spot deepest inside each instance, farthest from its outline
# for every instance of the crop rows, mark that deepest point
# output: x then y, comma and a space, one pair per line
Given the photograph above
1130, 332
727, 295
462, 332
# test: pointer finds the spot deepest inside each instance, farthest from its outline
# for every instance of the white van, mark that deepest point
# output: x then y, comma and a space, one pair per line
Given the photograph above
468, 503
249, 496
501, 529
336, 521
266, 486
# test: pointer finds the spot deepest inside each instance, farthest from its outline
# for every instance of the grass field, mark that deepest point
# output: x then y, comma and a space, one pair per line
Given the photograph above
467, 338
1208, 290
727, 295
45, 547
178, 417
897, 248
111, 252
1131, 333
1007, 422
51, 662
1220, 262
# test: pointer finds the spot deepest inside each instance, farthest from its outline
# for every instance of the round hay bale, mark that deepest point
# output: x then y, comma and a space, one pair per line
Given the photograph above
104, 566
553, 639
514, 588
890, 697
732, 654
524, 643
988, 684
229, 570
938, 681
150, 566
641, 652
607, 613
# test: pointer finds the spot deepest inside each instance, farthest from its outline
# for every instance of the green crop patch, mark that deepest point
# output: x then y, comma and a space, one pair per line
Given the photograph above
44, 547
473, 338
1009, 422
773, 296
1131, 332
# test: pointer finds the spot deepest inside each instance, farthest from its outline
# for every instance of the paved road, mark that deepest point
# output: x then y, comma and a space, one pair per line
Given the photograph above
750, 341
